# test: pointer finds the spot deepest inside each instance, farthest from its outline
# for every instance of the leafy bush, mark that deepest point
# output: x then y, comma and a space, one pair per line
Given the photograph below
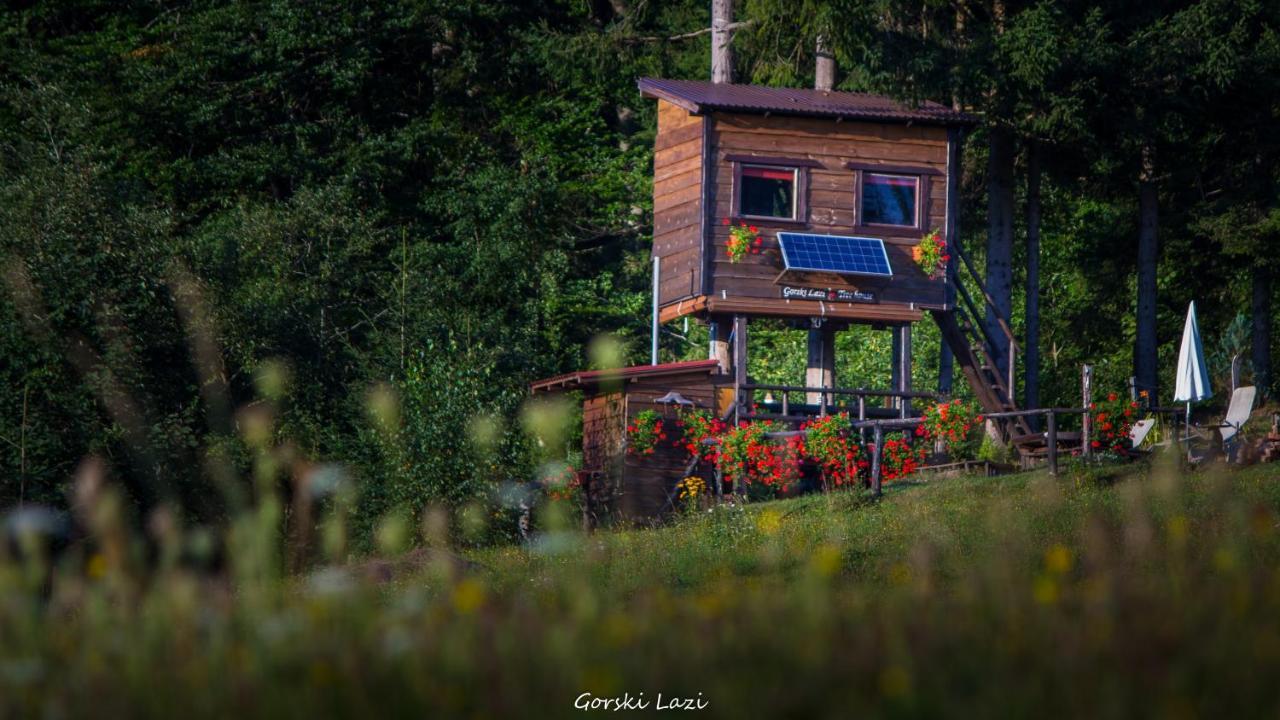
1111, 422
829, 441
899, 459
765, 467
644, 433
957, 424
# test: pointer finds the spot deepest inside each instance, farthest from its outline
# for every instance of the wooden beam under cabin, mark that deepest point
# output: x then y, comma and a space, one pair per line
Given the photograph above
856, 312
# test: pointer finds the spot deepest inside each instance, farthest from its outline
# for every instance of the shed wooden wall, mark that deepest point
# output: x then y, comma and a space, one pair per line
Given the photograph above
831, 198
630, 488
602, 430
677, 202
647, 481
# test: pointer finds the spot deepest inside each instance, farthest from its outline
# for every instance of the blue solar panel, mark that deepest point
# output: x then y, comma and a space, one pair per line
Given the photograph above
834, 253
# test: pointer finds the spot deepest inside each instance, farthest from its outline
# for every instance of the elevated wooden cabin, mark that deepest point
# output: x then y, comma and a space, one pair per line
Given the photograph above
797, 160
828, 180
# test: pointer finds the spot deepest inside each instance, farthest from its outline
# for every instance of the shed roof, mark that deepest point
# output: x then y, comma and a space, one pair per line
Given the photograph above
698, 96
591, 378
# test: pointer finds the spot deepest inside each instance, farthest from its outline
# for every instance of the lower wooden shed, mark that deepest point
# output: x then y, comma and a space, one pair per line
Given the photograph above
617, 485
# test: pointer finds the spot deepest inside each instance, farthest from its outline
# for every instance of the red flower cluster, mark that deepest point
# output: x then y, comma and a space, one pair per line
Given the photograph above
744, 455
565, 485
1112, 421
954, 423
644, 433
698, 426
743, 240
828, 442
899, 459
931, 255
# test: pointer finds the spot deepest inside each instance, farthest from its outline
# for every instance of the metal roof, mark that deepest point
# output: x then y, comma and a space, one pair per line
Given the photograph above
584, 378
699, 96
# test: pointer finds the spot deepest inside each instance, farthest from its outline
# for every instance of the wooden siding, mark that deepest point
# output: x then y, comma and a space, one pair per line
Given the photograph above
625, 487
677, 202
648, 481
831, 207
602, 430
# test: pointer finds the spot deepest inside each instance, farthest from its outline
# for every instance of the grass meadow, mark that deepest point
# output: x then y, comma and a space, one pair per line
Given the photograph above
1121, 591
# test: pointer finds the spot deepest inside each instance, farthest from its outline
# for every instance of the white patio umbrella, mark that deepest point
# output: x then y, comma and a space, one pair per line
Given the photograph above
1193, 377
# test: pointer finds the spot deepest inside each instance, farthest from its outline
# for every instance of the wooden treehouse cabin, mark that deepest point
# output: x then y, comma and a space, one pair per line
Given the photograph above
840, 188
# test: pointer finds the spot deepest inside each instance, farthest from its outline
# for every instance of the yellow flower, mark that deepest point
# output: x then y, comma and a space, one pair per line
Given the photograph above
468, 596
691, 487
1057, 559
894, 681
769, 522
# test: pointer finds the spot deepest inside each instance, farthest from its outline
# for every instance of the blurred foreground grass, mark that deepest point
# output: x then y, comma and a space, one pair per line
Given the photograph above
1119, 593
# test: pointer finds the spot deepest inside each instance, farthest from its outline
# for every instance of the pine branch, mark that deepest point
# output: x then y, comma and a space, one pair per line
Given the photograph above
689, 35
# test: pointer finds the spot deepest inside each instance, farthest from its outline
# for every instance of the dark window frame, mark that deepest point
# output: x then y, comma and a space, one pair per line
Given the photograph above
923, 177
800, 192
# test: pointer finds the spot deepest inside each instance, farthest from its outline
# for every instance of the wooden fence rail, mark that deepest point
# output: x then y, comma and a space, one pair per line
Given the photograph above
826, 401
878, 427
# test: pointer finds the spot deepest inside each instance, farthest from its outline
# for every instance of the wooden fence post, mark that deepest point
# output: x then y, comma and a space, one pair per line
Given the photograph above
875, 459
1051, 431
862, 415
1086, 425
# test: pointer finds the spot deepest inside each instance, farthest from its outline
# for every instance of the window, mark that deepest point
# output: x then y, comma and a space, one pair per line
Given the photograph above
889, 199
766, 191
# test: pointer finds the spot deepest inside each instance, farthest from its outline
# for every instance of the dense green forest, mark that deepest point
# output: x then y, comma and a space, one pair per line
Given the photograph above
215, 213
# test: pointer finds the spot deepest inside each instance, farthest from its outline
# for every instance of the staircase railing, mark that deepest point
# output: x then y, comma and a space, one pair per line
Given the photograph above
977, 319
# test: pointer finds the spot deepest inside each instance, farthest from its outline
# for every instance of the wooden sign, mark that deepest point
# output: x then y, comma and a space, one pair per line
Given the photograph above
791, 292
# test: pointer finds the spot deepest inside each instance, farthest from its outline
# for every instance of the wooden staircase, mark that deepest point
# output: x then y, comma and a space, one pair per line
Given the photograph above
974, 348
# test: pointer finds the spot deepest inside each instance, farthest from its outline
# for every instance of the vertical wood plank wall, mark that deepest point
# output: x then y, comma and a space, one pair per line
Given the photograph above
830, 194
677, 202
832, 206
648, 481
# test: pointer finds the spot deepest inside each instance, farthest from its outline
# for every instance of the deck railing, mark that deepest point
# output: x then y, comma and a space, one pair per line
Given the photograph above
826, 400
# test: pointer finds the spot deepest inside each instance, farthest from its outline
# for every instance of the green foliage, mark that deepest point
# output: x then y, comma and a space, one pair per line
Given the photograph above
394, 195
992, 451
1234, 341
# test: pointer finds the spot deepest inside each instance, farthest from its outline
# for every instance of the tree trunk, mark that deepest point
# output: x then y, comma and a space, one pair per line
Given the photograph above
721, 54
1000, 239
946, 361
824, 75
1031, 349
822, 345
1261, 311
1144, 350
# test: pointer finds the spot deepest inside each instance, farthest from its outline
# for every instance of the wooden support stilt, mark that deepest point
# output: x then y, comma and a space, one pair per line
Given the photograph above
719, 349
739, 379
875, 459
903, 334
821, 368
740, 350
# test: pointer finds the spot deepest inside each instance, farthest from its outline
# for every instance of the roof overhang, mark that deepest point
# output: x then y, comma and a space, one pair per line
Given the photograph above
699, 97
592, 379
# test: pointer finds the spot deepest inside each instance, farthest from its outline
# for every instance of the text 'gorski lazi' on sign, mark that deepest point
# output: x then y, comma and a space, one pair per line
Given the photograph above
828, 294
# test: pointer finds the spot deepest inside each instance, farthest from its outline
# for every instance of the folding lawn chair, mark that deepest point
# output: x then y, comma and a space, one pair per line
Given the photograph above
1139, 432
1229, 428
